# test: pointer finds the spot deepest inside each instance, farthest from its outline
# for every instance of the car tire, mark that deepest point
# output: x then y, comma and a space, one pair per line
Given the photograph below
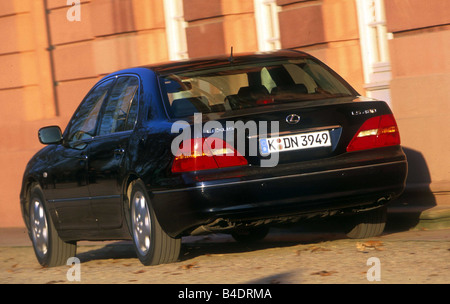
152, 244
249, 235
49, 248
368, 224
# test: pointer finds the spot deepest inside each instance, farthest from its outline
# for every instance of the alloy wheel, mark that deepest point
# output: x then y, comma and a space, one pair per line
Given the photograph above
39, 227
141, 222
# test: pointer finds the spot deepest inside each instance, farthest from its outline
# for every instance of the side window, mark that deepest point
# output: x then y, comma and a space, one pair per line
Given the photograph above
83, 123
121, 110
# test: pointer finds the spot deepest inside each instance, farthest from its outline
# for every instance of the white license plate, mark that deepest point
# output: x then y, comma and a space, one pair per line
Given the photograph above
295, 142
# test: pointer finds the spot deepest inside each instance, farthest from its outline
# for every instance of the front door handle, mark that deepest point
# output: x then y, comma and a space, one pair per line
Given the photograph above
83, 156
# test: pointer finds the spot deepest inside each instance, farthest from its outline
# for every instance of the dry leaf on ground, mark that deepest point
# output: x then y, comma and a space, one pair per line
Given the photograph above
317, 248
189, 266
324, 273
371, 245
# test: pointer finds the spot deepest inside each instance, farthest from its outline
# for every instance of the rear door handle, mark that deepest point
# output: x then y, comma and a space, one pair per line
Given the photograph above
119, 151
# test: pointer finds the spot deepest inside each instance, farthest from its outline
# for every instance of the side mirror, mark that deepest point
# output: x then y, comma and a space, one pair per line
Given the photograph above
50, 135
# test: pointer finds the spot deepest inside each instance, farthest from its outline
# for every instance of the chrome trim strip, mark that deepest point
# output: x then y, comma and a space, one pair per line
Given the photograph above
83, 198
203, 186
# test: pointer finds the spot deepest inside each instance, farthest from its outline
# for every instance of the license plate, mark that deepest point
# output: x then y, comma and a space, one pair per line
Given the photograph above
295, 142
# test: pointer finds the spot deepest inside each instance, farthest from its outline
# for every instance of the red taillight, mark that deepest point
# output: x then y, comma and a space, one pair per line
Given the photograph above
264, 101
206, 153
376, 132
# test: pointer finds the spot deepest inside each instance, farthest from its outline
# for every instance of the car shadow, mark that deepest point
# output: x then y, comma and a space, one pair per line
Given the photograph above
404, 212
212, 244
277, 238
312, 233
112, 250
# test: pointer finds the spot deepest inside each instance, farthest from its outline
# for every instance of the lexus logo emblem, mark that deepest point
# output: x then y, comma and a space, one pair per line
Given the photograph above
293, 119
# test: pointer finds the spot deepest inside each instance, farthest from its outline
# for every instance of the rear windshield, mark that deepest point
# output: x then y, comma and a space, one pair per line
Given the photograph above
233, 88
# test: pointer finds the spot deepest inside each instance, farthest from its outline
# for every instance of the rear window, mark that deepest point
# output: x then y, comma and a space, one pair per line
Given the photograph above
232, 88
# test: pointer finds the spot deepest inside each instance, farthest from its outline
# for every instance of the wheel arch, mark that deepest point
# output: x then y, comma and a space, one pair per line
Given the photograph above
126, 190
127, 207
25, 195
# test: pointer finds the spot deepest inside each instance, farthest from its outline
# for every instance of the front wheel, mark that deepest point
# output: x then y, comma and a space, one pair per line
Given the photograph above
368, 224
153, 246
49, 248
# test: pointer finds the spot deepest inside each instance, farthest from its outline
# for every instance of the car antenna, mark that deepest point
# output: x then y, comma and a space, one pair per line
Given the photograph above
231, 58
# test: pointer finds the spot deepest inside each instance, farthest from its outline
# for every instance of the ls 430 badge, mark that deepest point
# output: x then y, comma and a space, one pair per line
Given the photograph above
364, 112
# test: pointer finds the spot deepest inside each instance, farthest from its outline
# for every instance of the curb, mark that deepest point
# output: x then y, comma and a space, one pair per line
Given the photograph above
420, 217
421, 208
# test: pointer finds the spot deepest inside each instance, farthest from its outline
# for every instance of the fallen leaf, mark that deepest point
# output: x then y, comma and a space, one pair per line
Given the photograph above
324, 273
372, 245
189, 266
55, 282
360, 247
317, 248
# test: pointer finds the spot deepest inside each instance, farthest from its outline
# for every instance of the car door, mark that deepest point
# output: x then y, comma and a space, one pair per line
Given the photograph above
67, 178
107, 152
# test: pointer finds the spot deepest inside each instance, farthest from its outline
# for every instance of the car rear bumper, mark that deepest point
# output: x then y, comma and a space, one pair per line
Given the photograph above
244, 198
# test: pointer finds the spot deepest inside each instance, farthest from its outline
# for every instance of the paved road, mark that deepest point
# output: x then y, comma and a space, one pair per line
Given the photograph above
283, 257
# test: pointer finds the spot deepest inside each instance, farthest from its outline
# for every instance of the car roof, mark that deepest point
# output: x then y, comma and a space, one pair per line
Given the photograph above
223, 60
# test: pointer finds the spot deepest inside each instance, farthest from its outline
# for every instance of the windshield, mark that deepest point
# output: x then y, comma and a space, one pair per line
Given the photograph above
232, 88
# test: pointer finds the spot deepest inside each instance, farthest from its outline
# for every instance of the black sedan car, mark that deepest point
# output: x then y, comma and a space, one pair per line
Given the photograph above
224, 144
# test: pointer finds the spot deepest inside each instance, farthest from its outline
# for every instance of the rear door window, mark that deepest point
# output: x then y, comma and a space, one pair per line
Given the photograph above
121, 109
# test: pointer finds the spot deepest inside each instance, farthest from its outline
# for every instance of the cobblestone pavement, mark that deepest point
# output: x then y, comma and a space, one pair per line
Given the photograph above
283, 257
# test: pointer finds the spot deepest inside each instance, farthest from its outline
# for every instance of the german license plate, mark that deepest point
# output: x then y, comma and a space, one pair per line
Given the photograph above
295, 142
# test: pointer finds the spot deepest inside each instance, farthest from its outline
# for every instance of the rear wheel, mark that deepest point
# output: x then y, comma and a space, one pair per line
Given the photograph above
49, 248
153, 246
368, 224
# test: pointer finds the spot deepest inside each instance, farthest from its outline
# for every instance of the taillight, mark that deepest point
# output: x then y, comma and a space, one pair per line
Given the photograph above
206, 153
376, 132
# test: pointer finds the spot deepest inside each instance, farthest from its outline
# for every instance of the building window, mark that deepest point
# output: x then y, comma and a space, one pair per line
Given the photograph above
267, 26
374, 47
175, 29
